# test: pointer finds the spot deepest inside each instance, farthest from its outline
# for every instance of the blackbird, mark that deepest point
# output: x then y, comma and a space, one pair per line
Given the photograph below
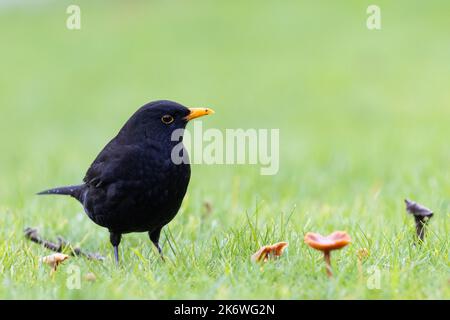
134, 184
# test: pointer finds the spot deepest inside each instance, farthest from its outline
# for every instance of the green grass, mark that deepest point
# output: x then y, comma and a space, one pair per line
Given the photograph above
363, 118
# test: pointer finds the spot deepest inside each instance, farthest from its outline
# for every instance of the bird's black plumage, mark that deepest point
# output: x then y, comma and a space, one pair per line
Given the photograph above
134, 185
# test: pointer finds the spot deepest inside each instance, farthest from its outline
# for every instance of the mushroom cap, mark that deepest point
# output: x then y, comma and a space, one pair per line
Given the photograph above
417, 210
265, 252
336, 240
55, 258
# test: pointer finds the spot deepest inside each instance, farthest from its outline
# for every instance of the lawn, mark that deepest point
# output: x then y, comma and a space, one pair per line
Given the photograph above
363, 118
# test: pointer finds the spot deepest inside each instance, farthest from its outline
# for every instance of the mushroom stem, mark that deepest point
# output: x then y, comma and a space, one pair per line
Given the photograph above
420, 226
327, 256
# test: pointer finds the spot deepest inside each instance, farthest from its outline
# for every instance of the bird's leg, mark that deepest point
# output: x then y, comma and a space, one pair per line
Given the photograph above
115, 241
154, 237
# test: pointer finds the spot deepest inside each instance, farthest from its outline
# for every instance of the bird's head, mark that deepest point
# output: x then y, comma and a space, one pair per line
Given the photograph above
158, 120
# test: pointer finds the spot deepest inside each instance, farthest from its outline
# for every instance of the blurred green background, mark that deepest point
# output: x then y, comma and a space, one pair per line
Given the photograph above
363, 118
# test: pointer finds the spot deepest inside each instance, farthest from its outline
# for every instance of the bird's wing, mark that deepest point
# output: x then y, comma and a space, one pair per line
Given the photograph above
115, 162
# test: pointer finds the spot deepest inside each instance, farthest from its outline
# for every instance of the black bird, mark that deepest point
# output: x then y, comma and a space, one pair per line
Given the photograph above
135, 184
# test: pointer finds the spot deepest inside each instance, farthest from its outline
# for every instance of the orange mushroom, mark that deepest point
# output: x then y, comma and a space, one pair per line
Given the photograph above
334, 241
266, 252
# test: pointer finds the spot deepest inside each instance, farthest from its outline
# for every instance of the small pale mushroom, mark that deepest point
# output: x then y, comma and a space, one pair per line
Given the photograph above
421, 216
54, 260
90, 277
269, 252
334, 241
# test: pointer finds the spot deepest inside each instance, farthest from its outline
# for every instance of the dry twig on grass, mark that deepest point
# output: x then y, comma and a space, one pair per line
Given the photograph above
62, 245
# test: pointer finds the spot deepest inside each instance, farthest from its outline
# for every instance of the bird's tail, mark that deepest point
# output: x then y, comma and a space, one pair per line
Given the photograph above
73, 191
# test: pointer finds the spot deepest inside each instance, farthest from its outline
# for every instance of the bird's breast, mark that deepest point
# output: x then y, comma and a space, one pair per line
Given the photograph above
147, 192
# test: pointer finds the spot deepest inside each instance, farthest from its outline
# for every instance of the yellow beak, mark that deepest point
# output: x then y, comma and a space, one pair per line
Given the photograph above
198, 112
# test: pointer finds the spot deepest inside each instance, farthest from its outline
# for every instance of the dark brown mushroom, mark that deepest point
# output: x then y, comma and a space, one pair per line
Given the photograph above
421, 216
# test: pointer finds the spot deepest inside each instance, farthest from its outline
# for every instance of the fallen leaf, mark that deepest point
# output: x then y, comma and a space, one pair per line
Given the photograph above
269, 252
208, 207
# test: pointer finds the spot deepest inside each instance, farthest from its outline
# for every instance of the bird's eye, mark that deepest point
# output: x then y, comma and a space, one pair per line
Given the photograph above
167, 119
